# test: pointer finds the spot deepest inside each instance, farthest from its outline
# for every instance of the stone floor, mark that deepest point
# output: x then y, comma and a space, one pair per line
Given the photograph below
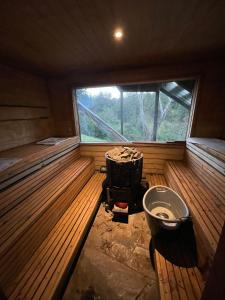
114, 262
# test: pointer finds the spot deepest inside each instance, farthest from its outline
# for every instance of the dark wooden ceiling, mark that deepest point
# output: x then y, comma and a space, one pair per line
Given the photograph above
55, 37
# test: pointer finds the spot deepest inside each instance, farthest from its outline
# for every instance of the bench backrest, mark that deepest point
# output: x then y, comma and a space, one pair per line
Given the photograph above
213, 179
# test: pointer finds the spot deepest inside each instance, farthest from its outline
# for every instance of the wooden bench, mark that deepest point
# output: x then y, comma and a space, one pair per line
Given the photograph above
31, 158
205, 198
179, 277
31, 208
43, 275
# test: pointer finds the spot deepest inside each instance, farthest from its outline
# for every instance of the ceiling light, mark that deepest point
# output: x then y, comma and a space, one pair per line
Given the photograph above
118, 34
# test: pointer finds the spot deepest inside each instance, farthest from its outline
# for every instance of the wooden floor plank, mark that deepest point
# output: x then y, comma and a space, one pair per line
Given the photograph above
187, 284
176, 282
180, 283
172, 281
162, 288
167, 290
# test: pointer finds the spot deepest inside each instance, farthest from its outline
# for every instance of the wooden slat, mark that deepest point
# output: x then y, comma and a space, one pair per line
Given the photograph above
58, 250
211, 160
56, 240
15, 258
199, 216
172, 281
25, 114
216, 207
180, 284
203, 189
16, 193
16, 221
187, 283
14, 134
211, 177
199, 203
208, 204
176, 283
9, 113
32, 155
162, 288
43, 198
148, 156
155, 155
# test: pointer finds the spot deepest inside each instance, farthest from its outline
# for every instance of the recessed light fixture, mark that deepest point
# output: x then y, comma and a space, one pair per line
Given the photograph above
118, 34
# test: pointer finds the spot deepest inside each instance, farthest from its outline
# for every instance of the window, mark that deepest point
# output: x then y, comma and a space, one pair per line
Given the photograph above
137, 112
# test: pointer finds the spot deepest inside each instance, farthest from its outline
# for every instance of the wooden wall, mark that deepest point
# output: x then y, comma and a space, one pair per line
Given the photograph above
210, 111
62, 109
25, 114
209, 120
155, 155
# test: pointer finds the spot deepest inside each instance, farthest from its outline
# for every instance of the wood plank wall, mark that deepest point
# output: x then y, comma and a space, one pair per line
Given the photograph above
25, 114
62, 109
155, 155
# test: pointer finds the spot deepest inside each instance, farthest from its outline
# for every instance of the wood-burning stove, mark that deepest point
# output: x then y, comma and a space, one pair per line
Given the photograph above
124, 183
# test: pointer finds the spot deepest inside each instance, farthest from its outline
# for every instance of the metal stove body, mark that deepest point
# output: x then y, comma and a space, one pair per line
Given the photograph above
124, 183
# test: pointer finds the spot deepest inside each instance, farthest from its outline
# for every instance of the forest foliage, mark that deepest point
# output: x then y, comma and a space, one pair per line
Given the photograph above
138, 116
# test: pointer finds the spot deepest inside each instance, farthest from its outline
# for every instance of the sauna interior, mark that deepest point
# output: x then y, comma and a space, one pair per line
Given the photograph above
77, 79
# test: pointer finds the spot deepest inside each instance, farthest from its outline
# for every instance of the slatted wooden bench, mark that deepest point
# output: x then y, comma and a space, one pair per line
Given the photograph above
31, 208
205, 197
42, 276
32, 157
176, 280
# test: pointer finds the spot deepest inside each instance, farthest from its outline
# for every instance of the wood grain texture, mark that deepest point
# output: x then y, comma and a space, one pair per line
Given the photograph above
155, 155
44, 273
31, 158
175, 282
31, 208
17, 133
25, 114
62, 105
213, 179
204, 194
10, 113
78, 35
22, 89
217, 162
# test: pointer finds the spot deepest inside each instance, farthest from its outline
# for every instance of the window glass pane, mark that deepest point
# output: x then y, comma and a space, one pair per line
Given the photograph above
144, 112
138, 115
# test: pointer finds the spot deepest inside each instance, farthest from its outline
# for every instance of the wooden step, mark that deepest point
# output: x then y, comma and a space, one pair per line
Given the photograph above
44, 274
176, 281
26, 225
25, 213
12, 196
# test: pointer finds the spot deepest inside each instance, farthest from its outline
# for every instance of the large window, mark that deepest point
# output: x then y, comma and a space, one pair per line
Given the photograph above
137, 112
